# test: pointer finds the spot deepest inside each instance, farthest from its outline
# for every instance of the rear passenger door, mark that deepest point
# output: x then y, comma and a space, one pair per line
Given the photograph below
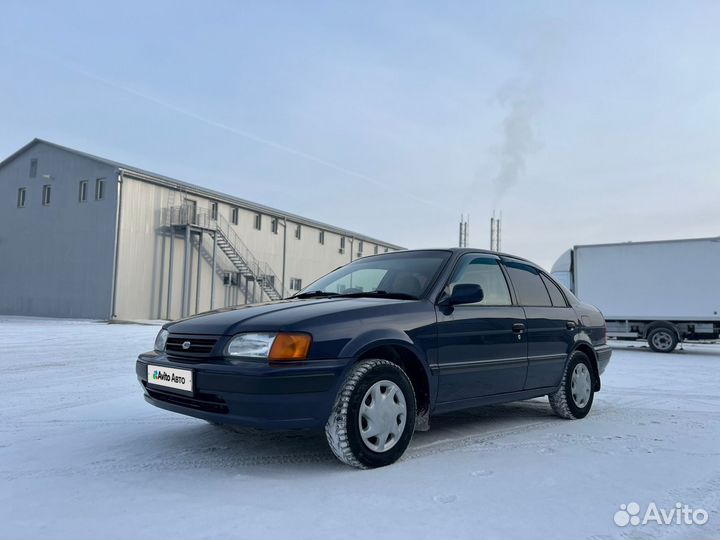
551, 323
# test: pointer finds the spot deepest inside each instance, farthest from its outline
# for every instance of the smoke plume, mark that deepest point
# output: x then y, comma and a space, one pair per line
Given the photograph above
520, 103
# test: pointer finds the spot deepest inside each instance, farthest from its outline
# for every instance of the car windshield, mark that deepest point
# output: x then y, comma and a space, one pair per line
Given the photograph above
404, 275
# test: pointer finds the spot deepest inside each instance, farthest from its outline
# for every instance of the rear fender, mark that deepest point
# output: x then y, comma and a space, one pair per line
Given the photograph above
587, 348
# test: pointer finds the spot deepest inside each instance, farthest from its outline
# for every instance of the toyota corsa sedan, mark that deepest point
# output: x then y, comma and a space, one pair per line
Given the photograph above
370, 351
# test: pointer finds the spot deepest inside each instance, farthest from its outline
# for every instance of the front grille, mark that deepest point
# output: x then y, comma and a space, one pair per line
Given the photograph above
202, 402
198, 346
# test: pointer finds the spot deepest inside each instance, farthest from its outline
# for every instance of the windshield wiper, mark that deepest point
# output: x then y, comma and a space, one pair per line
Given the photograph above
380, 294
315, 294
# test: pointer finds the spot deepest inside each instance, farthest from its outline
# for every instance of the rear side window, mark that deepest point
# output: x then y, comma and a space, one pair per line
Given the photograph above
558, 300
486, 272
528, 285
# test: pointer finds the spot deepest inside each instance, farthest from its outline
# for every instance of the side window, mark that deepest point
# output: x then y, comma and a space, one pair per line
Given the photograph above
99, 189
528, 285
295, 284
46, 195
485, 272
21, 197
558, 300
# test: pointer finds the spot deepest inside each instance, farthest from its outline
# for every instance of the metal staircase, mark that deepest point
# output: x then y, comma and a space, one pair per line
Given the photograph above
230, 244
247, 265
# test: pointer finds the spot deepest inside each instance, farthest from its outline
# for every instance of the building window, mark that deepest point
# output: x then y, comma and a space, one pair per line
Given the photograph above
298, 231
213, 211
342, 244
33, 168
321, 237
376, 250
46, 195
274, 225
82, 192
360, 248
231, 279
258, 221
21, 197
99, 189
234, 216
295, 284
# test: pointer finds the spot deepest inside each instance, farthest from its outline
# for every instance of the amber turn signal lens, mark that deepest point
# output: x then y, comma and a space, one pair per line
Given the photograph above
290, 347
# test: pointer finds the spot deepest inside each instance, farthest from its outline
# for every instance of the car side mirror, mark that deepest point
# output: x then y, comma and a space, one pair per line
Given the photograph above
464, 293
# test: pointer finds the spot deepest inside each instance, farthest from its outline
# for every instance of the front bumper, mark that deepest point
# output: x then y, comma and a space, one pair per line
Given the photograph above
251, 394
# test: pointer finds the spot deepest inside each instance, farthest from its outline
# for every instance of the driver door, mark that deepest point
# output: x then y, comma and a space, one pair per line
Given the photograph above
482, 347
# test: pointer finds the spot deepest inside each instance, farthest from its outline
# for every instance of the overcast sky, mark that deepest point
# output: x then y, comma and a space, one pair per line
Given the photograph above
582, 122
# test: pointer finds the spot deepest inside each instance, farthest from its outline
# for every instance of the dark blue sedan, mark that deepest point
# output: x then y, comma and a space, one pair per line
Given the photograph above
370, 351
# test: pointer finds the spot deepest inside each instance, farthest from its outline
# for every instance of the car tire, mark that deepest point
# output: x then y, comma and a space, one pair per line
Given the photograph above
361, 409
662, 339
574, 397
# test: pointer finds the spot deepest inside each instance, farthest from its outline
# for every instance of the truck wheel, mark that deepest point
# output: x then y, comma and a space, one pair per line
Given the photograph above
373, 418
662, 339
574, 397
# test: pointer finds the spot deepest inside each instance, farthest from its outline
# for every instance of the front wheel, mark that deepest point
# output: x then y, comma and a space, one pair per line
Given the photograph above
574, 397
373, 418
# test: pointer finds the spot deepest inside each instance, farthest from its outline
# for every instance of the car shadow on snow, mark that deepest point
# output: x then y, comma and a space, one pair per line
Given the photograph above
201, 445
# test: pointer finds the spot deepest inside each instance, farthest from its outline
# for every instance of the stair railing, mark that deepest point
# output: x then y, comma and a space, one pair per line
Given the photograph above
261, 271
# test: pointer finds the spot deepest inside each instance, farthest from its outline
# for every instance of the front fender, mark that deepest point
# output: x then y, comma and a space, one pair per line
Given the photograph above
379, 337
372, 339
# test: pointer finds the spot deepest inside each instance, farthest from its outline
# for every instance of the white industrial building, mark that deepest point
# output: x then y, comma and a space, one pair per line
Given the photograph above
86, 237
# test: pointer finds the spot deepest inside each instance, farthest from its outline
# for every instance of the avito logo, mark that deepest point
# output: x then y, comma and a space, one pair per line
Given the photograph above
681, 514
167, 377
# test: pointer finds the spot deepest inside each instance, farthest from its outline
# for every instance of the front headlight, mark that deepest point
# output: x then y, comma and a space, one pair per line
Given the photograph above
271, 346
251, 345
161, 340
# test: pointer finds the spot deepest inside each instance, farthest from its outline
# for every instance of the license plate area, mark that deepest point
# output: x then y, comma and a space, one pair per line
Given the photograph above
173, 379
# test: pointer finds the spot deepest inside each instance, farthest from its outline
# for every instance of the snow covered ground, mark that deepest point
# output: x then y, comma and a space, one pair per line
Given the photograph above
82, 455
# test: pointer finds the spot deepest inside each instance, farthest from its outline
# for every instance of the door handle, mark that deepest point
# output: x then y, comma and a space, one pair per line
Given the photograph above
518, 328
571, 325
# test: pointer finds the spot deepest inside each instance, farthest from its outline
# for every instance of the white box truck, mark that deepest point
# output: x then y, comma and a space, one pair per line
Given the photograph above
665, 292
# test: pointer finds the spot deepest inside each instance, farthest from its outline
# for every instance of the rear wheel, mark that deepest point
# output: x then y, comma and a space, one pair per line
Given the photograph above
574, 397
373, 418
662, 339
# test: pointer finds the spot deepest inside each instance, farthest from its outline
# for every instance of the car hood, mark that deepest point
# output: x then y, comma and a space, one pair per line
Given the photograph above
272, 316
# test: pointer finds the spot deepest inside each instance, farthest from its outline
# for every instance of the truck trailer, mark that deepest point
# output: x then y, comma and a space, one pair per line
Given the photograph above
665, 292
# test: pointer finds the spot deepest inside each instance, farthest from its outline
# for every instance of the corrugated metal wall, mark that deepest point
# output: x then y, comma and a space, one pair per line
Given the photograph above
56, 259
145, 247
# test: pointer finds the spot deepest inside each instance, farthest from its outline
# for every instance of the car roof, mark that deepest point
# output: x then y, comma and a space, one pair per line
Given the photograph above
460, 251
